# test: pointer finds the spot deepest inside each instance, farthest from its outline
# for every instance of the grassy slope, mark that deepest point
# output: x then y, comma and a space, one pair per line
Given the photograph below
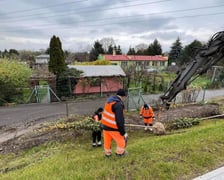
182, 155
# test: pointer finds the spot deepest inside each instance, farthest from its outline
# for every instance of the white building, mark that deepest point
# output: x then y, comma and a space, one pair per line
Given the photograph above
42, 59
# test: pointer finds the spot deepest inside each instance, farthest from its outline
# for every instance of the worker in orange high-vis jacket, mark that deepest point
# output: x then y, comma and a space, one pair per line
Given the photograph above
146, 112
113, 124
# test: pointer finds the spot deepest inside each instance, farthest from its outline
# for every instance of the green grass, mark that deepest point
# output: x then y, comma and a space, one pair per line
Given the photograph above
201, 81
182, 154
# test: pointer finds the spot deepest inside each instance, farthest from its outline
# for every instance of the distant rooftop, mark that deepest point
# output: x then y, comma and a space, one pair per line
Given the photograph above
99, 70
43, 56
134, 57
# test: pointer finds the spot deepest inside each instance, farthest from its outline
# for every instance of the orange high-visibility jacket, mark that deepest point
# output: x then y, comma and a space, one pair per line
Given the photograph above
108, 116
146, 113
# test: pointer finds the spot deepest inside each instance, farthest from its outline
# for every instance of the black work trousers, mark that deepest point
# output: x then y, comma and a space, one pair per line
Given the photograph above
96, 135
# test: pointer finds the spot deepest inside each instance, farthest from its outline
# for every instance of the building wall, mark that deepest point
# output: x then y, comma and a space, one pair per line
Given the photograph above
109, 84
146, 64
42, 59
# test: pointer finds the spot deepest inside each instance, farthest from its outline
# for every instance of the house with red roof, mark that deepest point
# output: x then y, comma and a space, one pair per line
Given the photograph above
157, 62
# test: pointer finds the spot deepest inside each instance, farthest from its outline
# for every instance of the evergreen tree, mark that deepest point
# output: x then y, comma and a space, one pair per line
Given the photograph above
149, 50
47, 51
110, 50
131, 51
190, 51
118, 50
176, 52
156, 48
96, 50
56, 63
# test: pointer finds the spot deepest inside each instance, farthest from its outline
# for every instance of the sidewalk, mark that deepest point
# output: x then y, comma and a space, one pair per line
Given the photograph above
217, 174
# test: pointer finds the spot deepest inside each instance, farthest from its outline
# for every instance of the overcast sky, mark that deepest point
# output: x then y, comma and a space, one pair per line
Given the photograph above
30, 24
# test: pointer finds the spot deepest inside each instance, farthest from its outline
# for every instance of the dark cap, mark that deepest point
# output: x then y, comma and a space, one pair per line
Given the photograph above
100, 109
121, 92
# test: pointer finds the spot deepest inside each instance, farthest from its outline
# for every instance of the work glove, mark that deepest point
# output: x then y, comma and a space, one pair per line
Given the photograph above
126, 135
126, 138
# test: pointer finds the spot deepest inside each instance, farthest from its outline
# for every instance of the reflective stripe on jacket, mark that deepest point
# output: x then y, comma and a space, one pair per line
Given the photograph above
108, 116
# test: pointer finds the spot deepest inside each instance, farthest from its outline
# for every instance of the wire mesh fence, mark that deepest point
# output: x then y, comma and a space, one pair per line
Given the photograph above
135, 98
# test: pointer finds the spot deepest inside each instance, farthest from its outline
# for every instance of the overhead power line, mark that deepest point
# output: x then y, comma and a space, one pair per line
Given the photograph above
151, 14
138, 16
123, 19
54, 5
143, 20
113, 23
79, 10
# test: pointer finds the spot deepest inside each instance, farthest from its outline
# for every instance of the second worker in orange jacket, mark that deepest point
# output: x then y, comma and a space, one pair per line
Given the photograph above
146, 112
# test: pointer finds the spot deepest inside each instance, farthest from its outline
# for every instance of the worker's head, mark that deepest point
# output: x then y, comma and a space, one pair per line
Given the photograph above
121, 93
146, 105
100, 110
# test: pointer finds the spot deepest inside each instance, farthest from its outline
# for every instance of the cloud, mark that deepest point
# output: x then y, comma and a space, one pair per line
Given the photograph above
78, 23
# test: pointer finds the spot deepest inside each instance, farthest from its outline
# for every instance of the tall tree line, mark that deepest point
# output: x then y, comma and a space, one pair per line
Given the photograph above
152, 49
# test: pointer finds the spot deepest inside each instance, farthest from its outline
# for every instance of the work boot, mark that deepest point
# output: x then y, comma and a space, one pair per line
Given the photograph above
150, 128
125, 153
145, 128
94, 144
108, 155
99, 143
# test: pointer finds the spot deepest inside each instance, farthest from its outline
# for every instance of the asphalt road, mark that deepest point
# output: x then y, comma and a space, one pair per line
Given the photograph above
30, 113
33, 113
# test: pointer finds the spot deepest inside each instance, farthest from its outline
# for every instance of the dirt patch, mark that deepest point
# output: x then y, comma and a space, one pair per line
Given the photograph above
190, 111
22, 138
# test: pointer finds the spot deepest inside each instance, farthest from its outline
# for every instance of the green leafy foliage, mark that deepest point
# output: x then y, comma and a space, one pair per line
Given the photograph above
66, 82
184, 123
13, 77
86, 123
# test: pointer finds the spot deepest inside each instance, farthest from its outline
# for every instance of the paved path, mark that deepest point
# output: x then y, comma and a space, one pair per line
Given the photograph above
217, 174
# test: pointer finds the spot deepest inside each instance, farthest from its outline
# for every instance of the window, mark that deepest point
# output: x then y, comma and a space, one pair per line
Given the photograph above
154, 63
162, 63
146, 63
124, 63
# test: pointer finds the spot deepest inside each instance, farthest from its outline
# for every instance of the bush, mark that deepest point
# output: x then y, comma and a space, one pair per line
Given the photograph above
14, 76
183, 123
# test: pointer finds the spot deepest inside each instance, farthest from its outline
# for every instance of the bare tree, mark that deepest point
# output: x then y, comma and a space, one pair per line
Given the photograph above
141, 48
106, 42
